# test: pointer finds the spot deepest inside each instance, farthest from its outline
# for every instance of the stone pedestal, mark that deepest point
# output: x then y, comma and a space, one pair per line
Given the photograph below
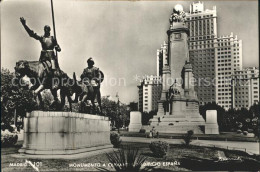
211, 126
135, 121
185, 116
64, 133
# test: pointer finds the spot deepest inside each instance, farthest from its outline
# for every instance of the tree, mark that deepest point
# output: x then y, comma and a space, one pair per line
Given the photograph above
234, 119
254, 109
116, 111
147, 116
255, 121
14, 98
133, 106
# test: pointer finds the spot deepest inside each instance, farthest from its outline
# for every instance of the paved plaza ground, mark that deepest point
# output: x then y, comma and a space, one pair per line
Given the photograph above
249, 147
185, 158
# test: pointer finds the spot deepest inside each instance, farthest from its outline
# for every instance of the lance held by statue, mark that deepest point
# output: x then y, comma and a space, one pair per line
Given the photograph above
47, 57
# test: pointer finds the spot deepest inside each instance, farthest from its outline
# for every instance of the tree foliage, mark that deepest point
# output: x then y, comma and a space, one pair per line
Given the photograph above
117, 112
14, 98
234, 119
147, 116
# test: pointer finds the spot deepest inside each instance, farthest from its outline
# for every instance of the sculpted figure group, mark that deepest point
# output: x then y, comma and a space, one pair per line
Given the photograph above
46, 74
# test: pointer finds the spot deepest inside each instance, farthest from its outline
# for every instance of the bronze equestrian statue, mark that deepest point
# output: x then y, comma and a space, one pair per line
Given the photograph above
47, 57
46, 74
35, 70
89, 86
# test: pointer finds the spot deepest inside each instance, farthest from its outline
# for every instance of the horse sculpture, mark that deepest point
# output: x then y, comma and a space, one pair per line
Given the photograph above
87, 92
41, 80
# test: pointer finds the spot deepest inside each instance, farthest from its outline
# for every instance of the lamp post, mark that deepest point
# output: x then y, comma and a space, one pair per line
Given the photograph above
117, 113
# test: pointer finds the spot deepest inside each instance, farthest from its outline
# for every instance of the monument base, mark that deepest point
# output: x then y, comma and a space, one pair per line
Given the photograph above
135, 121
211, 129
84, 153
135, 127
177, 128
55, 134
211, 122
185, 116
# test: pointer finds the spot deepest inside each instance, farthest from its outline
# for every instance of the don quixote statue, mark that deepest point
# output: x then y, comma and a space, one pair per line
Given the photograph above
46, 74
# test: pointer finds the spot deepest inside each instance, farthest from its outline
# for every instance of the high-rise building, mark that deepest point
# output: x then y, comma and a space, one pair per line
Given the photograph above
228, 60
162, 58
245, 87
203, 33
149, 93
214, 59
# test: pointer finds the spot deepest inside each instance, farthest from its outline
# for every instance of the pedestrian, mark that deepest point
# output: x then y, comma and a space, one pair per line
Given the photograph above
153, 132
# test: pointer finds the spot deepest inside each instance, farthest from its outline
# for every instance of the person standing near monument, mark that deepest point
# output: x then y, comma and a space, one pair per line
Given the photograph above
49, 43
153, 132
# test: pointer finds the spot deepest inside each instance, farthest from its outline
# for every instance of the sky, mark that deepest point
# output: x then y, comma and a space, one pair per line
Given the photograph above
121, 36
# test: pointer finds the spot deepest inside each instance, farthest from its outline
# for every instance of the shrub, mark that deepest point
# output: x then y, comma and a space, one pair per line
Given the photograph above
8, 138
239, 131
159, 148
115, 139
187, 137
142, 130
245, 132
126, 159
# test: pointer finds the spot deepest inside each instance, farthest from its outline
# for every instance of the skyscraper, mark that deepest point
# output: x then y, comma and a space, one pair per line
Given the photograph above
149, 93
162, 58
203, 33
214, 58
228, 60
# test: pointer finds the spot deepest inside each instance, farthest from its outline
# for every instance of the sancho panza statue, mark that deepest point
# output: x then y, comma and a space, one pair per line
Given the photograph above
48, 43
92, 78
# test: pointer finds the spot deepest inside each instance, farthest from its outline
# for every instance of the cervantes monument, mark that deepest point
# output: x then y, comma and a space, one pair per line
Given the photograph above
178, 108
59, 134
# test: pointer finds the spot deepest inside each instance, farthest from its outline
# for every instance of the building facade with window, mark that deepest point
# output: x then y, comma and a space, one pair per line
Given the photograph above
245, 87
149, 93
202, 51
228, 60
162, 58
214, 59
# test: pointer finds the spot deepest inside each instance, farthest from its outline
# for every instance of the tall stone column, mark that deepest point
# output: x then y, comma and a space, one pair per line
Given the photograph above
177, 49
188, 84
165, 87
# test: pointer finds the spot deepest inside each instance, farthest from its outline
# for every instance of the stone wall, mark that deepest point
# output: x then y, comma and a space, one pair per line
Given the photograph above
52, 133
